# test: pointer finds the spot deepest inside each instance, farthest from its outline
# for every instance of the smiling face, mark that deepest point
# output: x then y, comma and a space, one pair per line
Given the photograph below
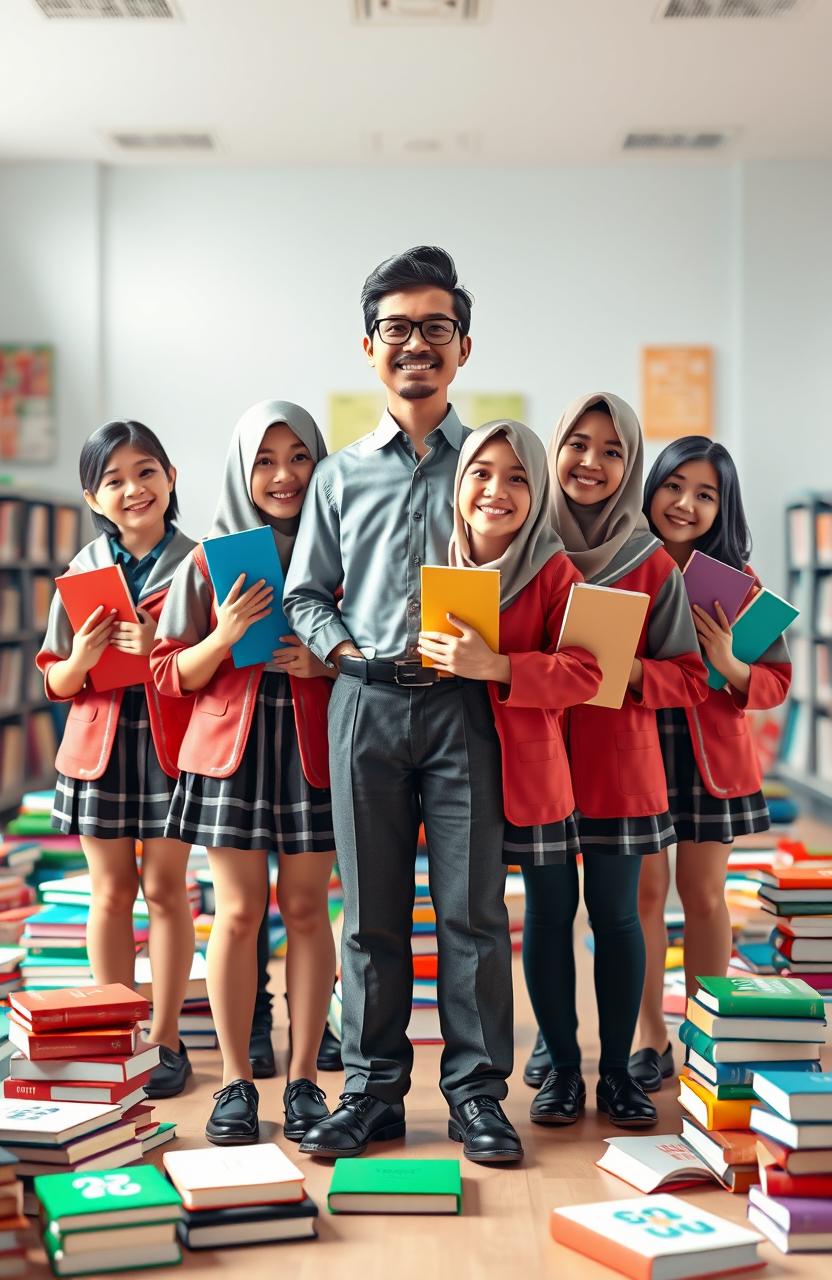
134, 492
686, 503
281, 473
417, 370
590, 462
494, 498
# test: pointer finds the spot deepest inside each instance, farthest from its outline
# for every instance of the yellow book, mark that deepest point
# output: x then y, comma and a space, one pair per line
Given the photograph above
715, 1114
674, 958
608, 623
472, 595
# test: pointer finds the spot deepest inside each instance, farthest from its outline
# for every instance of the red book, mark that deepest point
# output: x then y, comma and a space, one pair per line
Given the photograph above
814, 1161
96, 1042
425, 966
111, 1006
78, 1090
81, 593
799, 876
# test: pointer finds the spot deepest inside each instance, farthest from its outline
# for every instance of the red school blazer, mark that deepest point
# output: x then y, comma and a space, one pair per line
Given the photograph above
220, 719
615, 755
722, 744
528, 713
91, 724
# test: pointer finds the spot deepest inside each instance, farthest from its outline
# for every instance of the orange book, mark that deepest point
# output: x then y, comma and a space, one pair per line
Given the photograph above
800, 876
714, 1113
472, 595
608, 623
81, 593
425, 915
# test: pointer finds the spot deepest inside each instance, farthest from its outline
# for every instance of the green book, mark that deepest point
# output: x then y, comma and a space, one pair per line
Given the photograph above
30, 824
118, 1197
756, 629
395, 1186
759, 995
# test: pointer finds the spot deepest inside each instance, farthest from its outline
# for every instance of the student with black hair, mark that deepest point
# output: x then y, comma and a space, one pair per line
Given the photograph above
692, 500
406, 746
117, 759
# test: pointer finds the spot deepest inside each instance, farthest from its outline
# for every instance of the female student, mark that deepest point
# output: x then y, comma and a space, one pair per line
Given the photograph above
595, 465
692, 501
117, 759
255, 771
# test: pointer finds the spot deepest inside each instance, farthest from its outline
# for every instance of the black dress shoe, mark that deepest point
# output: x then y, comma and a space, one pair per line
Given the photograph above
260, 1049
561, 1099
304, 1106
486, 1134
233, 1122
167, 1079
329, 1054
621, 1098
538, 1064
359, 1120
649, 1068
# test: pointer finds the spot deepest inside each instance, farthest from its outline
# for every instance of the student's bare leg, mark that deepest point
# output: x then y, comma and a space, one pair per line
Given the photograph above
171, 934
700, 879
302, 885
115, 883
240, 887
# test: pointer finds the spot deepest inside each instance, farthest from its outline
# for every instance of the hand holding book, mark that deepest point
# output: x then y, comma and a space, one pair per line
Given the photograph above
466, 655
241, 609
91, 639
717, 641
135, 637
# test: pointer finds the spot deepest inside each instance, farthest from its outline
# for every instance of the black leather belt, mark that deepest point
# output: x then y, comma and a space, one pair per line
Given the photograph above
370, 670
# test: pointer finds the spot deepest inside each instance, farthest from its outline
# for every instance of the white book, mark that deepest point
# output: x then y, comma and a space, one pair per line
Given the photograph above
52, 1123
112, 1070
10, 958
651, 1161
93, 1242
197, 979
212, 1177
80, 1264
806, 1136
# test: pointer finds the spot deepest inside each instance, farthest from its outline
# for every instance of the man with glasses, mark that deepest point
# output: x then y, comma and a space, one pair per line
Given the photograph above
405, 746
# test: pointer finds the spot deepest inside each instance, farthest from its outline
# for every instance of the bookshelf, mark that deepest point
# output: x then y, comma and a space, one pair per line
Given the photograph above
39, 535
806, 752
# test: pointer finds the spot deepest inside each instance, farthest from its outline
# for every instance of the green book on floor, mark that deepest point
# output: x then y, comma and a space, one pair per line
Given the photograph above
759, 995
395, 1186
119, 1197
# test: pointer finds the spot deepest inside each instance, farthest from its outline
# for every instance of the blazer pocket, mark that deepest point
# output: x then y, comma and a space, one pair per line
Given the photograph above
639, 762
211, 705
546, 749
85, 712
735, 727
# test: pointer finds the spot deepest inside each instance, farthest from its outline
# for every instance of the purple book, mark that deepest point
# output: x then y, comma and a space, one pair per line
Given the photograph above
799, 1214
708, 580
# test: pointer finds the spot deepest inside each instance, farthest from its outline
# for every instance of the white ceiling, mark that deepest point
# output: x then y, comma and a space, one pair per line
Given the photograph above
298, 82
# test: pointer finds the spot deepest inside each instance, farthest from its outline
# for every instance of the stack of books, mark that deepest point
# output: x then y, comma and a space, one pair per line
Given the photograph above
76, 891
55, 939
196, 1022
799, 898
13, 1225
10, 962
240, 1195
734, 1027
793, 1123
18, 858
127, 1218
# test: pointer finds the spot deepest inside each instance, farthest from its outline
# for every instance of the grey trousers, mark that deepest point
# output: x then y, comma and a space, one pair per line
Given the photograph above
399, 756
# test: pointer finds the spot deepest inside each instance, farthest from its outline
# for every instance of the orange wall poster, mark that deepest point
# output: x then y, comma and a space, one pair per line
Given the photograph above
676, 392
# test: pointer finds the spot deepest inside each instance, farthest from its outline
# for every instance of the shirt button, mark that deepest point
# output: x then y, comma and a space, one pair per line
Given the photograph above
416, 559
417, 515
413, 606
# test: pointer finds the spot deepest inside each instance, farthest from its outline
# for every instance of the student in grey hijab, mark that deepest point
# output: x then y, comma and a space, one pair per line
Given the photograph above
254, 771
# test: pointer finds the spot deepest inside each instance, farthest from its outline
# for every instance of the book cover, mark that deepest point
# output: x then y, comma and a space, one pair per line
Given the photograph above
364, 1185
800, 876
721, 1027
52, 1123
107, 1261
797, 1134
800, 1215
776, 1180
731, 1092
795, 1096
254, 553
759, 995
817, 1161
106, 1159
118, 1197
81, 593
71, 1153
608, 623
219, 1177
708, 580
109, 1006
721, 1149
125, 1093
745, 1051
636, 1236
248, 1224
712, 1112
650, 1162
112, 1070
472, 595
756, 628
92, 1042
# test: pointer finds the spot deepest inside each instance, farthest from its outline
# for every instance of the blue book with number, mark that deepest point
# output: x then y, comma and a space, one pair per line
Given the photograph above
756, 629
253, 553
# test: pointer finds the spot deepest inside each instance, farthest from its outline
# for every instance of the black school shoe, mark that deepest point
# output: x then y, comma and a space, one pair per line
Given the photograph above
260, 1048
538, 1064
649, 1068
358, 1121
620, 1097
329, 1054
486, 1133
561, 1098
168, 1077
304, 1107
233, 1122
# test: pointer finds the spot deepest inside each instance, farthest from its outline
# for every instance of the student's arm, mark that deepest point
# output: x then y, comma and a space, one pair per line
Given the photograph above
673, 674
66, 659
769, 679
314, 575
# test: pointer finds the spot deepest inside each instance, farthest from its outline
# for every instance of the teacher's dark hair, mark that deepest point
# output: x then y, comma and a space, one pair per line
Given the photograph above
729, 538
99, 448
425, 266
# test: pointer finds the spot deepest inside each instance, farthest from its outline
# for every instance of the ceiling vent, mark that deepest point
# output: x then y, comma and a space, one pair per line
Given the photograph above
701, 140
386, 13
731, 8
135, 142
153, 9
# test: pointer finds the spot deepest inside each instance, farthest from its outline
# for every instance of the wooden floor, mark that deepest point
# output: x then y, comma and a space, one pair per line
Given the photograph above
503, 1230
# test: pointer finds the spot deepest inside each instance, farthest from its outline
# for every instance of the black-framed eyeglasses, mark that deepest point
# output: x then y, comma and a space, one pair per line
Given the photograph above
396, 331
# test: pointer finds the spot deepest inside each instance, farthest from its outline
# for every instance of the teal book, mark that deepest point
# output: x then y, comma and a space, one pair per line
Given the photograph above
759, 995
749, 1053
395, 1186
118, 1197
756, 628
253, 553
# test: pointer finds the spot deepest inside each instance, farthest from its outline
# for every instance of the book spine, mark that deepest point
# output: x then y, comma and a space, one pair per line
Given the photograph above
48, 1048
779, 1182
38, 1090
798, 1008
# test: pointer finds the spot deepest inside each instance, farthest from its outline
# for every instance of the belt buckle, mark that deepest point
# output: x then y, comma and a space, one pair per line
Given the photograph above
413, 673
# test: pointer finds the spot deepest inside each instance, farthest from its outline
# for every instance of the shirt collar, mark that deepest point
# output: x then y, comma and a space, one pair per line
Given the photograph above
387, 430
123, 556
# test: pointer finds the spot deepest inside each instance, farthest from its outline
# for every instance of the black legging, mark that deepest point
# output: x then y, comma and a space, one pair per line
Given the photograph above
611, 896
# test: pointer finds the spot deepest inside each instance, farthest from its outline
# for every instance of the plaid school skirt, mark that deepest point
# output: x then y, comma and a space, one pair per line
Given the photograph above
548, 845
133, 795
697, 815
267, 802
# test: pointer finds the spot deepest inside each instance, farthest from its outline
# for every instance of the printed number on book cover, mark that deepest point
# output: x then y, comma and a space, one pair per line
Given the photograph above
33, 1112
108, 1184
659, 1222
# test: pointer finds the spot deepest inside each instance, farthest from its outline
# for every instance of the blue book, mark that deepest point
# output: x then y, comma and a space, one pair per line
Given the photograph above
756, 628
759, 956
796, 1095
253, 553
58, 915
